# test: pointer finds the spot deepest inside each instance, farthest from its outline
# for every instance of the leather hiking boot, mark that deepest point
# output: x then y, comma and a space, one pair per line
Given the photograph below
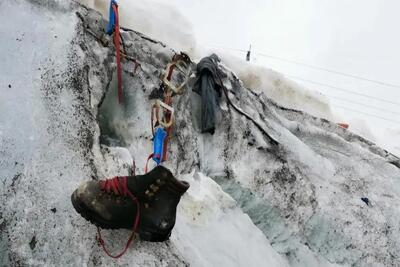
146, 203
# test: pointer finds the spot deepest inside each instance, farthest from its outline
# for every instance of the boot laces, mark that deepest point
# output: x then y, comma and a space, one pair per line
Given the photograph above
119, 186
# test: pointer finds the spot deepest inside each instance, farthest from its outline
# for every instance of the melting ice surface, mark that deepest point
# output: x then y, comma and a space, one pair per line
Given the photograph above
249, 204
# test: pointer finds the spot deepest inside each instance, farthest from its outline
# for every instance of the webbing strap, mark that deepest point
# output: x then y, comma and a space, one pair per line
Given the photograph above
118, 52
168, 100
111, 18
171, 70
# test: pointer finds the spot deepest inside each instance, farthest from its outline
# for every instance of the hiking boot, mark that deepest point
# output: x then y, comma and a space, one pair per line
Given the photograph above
120, 202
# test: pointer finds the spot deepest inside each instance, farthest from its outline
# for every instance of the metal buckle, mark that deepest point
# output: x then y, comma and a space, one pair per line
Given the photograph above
182, 64
159, 114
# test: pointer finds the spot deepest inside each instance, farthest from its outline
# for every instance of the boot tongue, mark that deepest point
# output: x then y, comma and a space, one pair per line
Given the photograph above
139, 184
158, 176
179, 186
173, 183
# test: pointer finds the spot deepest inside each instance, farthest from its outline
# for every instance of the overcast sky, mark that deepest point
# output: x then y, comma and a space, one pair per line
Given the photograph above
358, 37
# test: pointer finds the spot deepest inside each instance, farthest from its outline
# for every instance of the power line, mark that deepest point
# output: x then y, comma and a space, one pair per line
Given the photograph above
338, 88
323, 84
362, 104
229, 48
315, 67
344, 90
365, 113
331, 71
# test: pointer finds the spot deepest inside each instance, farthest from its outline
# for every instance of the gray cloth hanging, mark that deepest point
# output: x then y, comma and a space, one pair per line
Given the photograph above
208, 86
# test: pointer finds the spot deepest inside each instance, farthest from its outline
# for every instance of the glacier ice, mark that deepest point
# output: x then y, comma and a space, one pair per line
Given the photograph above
251, 202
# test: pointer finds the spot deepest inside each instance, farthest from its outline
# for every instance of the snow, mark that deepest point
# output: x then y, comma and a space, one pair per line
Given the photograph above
210, 223
154, 18
250, 203
282, 90
177, 32
387, 138
361, 127
146, 16
391, 140
45, 146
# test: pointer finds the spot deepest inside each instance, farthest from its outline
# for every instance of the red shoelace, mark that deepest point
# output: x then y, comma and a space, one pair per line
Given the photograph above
119, 186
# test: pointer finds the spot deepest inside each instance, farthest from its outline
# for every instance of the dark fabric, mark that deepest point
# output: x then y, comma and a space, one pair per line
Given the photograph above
208, 103
208, 86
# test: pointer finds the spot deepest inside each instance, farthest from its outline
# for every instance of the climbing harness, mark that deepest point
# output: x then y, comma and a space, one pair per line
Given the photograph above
162, 113
113, 28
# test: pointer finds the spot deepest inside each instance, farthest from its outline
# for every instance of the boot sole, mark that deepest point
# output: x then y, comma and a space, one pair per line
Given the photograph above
145, 235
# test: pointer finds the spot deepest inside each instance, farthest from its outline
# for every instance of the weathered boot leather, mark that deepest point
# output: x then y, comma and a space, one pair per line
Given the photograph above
108, 204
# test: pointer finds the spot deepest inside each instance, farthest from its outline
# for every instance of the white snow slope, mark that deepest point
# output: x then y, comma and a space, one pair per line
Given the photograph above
251, 202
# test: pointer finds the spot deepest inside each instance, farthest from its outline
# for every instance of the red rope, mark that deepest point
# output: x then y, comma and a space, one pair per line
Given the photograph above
168, 101
148, 159
171, 69
118, 53
119, 186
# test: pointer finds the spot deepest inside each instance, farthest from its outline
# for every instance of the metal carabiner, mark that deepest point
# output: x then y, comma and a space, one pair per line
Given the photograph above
157, 112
